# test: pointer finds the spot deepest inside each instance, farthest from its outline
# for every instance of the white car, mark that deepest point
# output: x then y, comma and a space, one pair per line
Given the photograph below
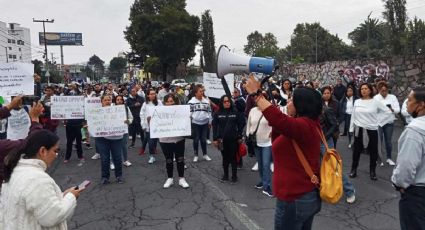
179, 82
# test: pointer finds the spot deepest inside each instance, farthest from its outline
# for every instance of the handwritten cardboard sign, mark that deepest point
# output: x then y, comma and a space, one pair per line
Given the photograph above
67, 107
170, 121
16, 78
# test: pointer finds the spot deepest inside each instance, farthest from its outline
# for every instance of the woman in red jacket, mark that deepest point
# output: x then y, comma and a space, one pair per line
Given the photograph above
298, 198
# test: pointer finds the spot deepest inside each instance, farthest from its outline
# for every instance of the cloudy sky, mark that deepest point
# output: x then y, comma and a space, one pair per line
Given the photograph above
102, 22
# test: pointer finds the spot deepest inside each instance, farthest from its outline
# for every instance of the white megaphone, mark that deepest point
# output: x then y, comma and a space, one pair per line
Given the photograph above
228, 62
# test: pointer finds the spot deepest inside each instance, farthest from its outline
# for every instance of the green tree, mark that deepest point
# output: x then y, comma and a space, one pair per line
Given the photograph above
97, 62
163, 29
117, 67
261, 46
369, 39
208, 42
153, 66
416, 36
307, 38
396, 17
37, 66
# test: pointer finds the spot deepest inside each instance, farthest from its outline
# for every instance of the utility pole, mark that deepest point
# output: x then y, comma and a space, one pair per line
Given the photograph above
367, 33
45, 43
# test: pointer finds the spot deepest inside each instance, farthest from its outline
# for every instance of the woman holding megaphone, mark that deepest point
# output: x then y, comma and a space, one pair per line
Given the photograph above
296, 195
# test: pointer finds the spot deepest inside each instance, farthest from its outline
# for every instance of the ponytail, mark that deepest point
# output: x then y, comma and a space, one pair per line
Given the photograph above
33, 143
10, 162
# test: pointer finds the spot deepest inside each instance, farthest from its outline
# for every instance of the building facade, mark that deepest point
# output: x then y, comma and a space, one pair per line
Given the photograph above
15, 43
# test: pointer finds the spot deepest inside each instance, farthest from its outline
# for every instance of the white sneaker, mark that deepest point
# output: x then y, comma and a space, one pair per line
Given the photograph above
127, 163
183, 183
151, 160
255, 168
351, 199
207, 158
95, 156
390, 162
185, 166
208, 142
112, 166
382, 164
195, 159
130, 137
168, 182
271, 167
349, 146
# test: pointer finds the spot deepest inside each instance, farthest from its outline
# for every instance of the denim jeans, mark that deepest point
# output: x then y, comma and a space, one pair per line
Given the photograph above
346, 184
264, 158
124, 147
152, 142
200, 135
386, 132
109, 148
298, 214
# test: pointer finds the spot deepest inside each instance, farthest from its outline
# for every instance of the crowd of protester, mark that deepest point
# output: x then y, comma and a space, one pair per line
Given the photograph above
266, 121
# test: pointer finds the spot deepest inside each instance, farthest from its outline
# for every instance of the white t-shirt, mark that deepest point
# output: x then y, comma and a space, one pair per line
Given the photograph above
365, 114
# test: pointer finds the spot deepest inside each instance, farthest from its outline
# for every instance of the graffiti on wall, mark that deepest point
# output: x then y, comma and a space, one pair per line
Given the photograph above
327, 73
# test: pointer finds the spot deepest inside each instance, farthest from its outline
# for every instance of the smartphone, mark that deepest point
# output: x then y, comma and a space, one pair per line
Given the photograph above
28, 100
389, 106
83, 185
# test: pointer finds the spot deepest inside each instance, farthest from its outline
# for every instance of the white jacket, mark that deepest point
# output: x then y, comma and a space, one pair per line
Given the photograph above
145, 112
32, 200
263, 133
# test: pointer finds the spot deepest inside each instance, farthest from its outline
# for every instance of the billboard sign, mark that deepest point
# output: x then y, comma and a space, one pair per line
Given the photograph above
61, 39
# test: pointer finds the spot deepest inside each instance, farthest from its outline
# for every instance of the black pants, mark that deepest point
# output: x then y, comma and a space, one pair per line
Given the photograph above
412, 208
135, 128
372, 148
174, 150
230, 147
73, 132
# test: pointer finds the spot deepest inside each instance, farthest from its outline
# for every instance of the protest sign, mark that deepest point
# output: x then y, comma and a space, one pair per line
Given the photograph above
170, 121
213, 86
16, 78
91, 102
18, 124
107, 121
67, 107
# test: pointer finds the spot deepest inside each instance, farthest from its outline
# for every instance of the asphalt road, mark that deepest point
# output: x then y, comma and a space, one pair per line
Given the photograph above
142, 203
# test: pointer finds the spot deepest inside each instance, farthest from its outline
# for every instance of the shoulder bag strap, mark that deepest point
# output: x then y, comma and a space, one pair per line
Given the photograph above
256, 129
313, 178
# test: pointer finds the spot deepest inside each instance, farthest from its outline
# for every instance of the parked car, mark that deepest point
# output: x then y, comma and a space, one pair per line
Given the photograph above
179, 82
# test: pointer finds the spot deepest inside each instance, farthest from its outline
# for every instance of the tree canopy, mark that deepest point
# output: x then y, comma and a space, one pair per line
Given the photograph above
261, 46
163, 29
208, 43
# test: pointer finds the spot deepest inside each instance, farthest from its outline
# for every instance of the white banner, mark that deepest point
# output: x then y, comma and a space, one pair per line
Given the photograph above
170, 121
213, 86
91, 102
16, 78
67, 107
18, 124
107, 121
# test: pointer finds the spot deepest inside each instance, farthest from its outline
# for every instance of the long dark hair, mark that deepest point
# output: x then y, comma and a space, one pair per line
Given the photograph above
307, 102
155, 101
33, 143
232, 107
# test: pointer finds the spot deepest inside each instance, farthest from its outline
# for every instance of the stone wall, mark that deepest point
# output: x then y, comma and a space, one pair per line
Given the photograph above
403, 73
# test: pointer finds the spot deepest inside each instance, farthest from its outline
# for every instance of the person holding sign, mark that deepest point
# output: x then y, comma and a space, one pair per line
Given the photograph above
119, 100
110, 146
145, 116
228, 126
173, 148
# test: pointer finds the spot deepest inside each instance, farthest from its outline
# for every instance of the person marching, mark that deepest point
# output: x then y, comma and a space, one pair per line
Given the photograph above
228, 126
173, 148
